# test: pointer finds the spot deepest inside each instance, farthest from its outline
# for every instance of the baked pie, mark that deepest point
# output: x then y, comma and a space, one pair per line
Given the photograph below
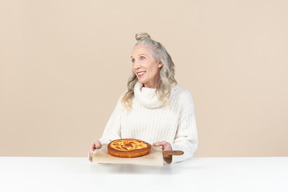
128, 148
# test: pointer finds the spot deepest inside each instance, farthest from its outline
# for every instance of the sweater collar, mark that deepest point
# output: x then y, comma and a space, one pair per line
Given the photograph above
147, 96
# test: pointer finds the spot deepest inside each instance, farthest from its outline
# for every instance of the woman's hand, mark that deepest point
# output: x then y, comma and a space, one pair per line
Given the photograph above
165, 147
95, 145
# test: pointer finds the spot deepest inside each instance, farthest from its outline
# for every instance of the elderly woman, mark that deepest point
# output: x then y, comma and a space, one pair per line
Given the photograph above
155, 108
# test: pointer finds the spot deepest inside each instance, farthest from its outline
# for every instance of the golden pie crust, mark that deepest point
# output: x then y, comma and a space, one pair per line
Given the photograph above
128, 148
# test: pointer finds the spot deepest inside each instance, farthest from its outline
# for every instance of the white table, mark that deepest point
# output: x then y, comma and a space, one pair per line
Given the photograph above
198, 174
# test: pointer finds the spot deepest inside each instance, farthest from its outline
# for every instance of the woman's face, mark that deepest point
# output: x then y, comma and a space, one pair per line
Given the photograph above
145, 67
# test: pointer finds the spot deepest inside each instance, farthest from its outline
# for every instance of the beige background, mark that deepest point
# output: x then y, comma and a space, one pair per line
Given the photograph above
65, 63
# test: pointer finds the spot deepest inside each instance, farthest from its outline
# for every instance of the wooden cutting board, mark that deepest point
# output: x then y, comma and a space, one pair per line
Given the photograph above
154, 158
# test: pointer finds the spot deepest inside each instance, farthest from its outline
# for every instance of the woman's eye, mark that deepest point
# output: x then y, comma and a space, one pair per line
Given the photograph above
142, 58
133, 60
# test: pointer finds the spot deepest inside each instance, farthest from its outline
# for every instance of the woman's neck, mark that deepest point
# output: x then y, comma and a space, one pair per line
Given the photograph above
152, 84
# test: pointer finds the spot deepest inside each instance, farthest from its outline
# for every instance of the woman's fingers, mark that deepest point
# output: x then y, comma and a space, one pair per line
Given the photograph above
91, 149
95, 145
165, 145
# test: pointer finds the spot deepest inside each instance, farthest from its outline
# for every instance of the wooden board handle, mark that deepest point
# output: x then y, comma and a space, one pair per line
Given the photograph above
172, 152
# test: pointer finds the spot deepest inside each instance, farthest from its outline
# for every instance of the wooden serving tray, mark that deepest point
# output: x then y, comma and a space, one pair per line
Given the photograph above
154, 158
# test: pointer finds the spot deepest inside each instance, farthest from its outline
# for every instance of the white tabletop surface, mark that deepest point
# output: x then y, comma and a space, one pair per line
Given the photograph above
198, 174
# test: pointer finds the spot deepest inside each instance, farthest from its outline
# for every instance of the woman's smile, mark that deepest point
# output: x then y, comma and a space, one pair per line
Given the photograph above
141, 74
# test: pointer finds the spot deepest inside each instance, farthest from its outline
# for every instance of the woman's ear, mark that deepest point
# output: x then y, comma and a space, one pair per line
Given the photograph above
160, 64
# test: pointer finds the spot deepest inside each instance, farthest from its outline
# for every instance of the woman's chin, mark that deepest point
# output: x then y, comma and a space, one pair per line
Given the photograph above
141, 81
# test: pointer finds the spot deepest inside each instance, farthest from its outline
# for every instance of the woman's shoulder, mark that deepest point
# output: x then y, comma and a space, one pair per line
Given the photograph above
180, 91
119, 100
180, 94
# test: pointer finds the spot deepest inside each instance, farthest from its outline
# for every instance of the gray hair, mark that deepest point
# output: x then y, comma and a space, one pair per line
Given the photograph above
167, 71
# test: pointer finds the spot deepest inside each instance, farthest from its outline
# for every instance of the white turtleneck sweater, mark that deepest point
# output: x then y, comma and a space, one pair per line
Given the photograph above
151, 121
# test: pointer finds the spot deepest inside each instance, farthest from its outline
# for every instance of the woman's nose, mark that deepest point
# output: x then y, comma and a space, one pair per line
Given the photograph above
136, 65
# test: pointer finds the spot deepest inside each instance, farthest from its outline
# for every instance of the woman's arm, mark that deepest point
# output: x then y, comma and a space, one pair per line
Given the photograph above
186, 138
112, 129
